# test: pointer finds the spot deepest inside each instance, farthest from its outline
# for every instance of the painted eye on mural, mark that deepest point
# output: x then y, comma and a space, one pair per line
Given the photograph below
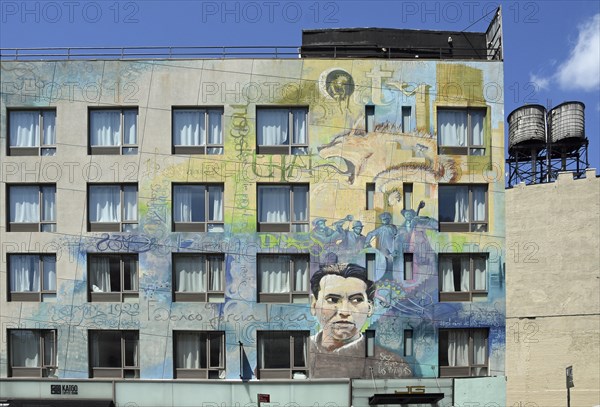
332, 300
356, 299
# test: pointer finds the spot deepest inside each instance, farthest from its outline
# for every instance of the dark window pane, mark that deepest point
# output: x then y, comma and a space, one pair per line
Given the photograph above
106, 349
300, 351
215, 351
276, 350
131, 348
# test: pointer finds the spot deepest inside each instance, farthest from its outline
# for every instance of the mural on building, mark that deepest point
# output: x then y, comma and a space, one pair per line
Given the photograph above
345, 151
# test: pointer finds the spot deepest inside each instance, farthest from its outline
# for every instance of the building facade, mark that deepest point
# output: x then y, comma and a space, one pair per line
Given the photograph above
317, 229
552, 295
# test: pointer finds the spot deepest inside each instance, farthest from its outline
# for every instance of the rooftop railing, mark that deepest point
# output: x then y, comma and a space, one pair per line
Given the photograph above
156, 52
251, 52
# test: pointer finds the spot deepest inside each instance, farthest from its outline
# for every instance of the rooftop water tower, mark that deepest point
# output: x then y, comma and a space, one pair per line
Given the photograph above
541, 144
526, 143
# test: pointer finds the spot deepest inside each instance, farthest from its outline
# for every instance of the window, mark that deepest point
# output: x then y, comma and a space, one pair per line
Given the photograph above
369, 343
461, 131
282, 354
32, 277
197, 131
32, 352
283, 278
463, 352
283, 208
370, 195
408, 266
371, 266
32, 132
113, 277
112, 208
113, 131
198, 208
198, 277
406, 119
114, 354
462, 276
408, 342
407, 188
463, 208
282, 130
199, 355
32, 208
370, 118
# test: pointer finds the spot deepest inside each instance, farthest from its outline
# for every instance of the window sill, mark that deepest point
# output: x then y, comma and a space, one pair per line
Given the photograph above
24, 151
47, 372
283, 298
273, 150
114, 297
461, 296
461, 371
110, 372
214, 297
282, 373
37, 296
274, 227
203, 373
112, 227
24, 227
474, 151
476, 227
282, 150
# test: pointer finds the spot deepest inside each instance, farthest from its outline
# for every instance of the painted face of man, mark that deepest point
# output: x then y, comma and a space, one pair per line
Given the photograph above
385, 219
342, 308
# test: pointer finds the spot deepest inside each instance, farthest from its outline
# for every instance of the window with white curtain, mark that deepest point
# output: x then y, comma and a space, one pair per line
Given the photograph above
32, 208
197, 131
283, 354
283, 278
199, 354
32, 352
112, 208
408, 266
462, 276
198, 208
463, 208
283, 208
408, 342
370, 195
407, 192
32, 277
114, 354
32, 132
369, 118
463, 352
113, 277
198, 277
282, 130
406, 116
113, 131
461, 131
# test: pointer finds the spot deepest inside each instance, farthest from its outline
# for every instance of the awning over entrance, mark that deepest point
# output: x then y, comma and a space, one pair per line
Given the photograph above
56, 403
414, 398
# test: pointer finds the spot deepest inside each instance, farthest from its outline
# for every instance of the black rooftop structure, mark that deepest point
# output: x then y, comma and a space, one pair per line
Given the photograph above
404, 44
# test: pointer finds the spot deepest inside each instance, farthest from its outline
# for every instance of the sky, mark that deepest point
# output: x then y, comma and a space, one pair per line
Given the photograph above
551, 48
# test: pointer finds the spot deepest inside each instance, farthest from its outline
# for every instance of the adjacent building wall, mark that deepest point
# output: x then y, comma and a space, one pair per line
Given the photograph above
553, 292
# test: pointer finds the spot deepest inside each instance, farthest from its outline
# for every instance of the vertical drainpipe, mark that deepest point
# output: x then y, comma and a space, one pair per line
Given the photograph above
114, 393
